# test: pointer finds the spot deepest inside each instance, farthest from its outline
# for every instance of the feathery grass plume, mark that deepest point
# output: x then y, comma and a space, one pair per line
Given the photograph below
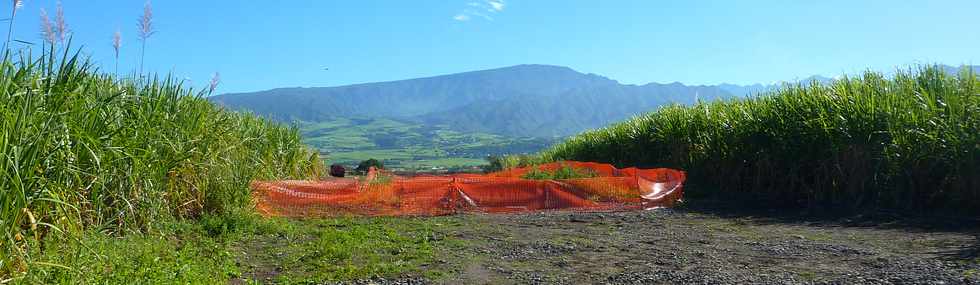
61, 28
215, 80
145, 28
10, 26
48, 32
116, 45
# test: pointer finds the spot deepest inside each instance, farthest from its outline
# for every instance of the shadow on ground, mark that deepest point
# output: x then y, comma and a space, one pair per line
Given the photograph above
871, 219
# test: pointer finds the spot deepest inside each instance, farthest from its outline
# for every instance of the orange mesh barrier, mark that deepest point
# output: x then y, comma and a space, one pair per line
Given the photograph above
382, 194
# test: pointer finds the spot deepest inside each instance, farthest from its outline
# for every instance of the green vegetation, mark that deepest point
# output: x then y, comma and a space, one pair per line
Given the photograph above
86, 156
97, 258
909, 141
366, 165
515, 161
443, 163
246, 248
494, 164
406, 145
358, 248
565, 172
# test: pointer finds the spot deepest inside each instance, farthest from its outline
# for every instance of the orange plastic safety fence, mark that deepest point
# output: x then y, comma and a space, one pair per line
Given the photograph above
501, 192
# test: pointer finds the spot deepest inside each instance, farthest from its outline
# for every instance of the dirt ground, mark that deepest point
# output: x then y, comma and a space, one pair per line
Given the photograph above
700, 245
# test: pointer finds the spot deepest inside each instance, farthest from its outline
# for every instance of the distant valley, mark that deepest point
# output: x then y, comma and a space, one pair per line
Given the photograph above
408, 145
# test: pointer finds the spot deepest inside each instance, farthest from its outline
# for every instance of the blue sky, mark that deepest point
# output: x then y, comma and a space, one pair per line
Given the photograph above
258, 45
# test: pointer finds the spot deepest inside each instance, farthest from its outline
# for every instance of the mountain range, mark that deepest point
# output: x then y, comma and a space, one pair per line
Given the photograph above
517, 101
523, 101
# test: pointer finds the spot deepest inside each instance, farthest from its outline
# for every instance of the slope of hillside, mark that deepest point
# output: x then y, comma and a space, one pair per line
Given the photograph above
406, 98
571, 112
523, 100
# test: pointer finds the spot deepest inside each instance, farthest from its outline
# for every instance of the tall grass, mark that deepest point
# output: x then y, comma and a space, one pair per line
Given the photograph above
565, 172
81, 150
911, 141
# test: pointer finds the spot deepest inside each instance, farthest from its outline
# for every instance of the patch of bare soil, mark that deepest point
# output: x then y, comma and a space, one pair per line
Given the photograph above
693, 247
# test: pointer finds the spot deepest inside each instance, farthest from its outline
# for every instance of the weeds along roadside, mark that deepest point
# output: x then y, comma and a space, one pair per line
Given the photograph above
81, 150
909, 141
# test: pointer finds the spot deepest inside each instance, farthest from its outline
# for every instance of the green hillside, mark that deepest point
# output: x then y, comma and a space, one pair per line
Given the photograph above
542, 101
911, 140
408, 145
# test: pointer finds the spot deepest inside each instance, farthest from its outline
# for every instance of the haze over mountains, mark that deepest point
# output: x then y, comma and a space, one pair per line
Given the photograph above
519, 101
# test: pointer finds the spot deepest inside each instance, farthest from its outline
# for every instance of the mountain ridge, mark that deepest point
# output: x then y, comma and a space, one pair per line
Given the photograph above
509, 100
413, 97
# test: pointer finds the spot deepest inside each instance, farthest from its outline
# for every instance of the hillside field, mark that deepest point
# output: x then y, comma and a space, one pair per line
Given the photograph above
409, 146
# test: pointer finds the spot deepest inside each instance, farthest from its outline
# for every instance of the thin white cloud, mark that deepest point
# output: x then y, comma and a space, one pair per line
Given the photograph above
479, 14
482, 9
496, 5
